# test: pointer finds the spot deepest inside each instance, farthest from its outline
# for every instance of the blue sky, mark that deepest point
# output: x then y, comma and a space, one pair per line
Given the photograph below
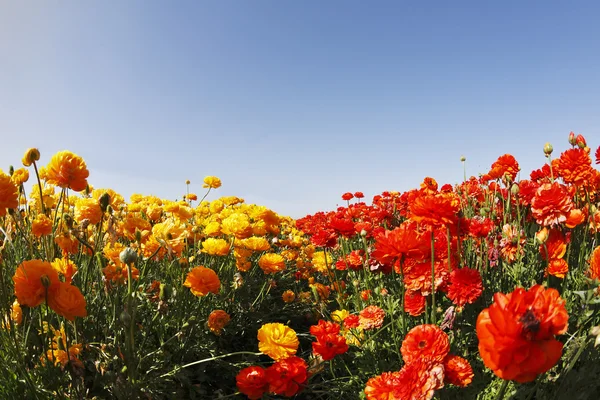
292, 103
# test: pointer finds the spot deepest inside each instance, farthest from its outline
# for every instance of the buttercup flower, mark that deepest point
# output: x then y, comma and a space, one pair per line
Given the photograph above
211, 182
425, 342
67, 170
217, 320
31, 155
202, 281
68, 302
252, 381
517, 333
287, 377
9, 194
34, 280
277, 340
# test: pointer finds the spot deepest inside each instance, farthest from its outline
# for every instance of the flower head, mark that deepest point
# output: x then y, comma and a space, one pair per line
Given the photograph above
287, 377
217, 320
277, 340
516, 333
67, 170
425, 342
211, 182
252, 381
34, 281
9, 194
202, 281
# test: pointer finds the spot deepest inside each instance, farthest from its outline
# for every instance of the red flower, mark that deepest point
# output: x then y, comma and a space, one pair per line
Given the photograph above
286, 377
330, 345
505, 165
252, 381
352, 321
551, 204
415, 381
403, 241
347, 196
516, 333
598, 155
465, 286
425, 342
458, 371
359, 195
414, 303
325, 328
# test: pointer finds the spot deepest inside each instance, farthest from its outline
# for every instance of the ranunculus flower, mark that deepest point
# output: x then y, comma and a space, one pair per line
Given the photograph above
517, 333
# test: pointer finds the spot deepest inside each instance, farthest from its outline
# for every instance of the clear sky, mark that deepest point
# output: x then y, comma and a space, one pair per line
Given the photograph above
292, 103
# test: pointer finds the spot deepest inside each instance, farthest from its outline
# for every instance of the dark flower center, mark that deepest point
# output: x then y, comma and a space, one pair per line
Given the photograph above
422, 344
530, 323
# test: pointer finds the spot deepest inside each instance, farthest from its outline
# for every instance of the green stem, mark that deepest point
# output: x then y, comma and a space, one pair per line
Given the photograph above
502, 391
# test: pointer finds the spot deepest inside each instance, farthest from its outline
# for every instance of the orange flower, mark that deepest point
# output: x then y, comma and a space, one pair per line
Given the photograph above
217, 320
252, 381
438, 209
558, 267
202, 281
116, 272
211, 182
381, 387
287, 377
575, 166
414, 303
575, 217
67, 243
465, 286
404, 241
555, 245
34, 280
371, 317
67, 170
417, 380
594, 270
271, 263
425, 342
68, 302
288, 296
41, 225
277, 340
457, 371
516, 333
506, 165
9, 194
551, 204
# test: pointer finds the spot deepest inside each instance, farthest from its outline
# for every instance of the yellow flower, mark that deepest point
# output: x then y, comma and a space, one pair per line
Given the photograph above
278, 341
320, 262
212, 182
238, 225
256, 243
339, 316
16, 313
88, 208
31, 155
215, 247
271, 263
213, 228
20, 176
216, 206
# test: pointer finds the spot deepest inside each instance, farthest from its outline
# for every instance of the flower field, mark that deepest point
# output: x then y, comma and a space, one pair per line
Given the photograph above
486, 289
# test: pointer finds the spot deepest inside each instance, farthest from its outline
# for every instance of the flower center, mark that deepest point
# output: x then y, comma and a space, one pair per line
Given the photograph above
422, 344
530, 324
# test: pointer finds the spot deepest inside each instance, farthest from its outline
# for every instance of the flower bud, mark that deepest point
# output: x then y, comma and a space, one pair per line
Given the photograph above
128, 256
31, 155
572, 141
463, 158
104, 200
45, 281
580, 140
548, 149
68, 220
542, 235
